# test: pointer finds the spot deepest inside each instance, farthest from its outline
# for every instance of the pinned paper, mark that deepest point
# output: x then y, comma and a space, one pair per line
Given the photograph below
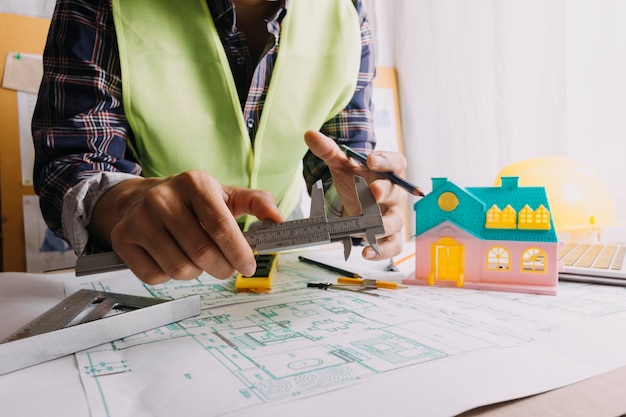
23, 72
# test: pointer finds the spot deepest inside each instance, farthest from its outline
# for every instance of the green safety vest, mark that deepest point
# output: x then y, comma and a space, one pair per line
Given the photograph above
181, 102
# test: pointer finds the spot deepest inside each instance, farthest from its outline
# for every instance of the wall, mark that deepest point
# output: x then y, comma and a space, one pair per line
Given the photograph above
484, 84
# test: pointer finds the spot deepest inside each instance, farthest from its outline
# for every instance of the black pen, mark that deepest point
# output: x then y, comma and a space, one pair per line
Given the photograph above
395, 178
331, 268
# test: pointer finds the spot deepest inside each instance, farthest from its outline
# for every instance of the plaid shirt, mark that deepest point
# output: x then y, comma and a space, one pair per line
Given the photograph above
79, 126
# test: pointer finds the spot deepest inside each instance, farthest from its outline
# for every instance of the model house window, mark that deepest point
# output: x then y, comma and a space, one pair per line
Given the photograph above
498, 259
526, 217
534, 260
542, 218
534, 219
501, 219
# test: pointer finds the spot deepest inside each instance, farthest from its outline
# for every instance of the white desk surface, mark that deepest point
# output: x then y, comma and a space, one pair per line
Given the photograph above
55, 389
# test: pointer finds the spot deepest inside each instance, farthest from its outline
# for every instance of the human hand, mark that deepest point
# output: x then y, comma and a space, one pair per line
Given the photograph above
391, 198
177, 227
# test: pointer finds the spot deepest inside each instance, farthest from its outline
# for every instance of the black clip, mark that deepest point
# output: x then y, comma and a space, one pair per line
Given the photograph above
327, 285
320, 285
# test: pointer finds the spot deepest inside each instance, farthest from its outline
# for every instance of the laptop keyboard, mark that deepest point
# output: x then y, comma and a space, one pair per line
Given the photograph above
599, 256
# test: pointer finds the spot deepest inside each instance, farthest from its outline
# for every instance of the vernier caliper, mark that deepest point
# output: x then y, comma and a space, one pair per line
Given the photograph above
319, 228
269, 236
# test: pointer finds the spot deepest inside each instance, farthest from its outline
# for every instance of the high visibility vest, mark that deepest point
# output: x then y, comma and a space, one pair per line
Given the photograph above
181, 101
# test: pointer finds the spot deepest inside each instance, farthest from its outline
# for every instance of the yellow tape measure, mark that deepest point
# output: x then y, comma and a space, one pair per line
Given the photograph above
266, 264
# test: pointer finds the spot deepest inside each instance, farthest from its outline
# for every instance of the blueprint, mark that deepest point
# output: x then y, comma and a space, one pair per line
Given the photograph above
248, 350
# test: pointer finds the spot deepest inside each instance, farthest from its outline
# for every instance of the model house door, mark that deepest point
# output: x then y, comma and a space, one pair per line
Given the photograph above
449, 261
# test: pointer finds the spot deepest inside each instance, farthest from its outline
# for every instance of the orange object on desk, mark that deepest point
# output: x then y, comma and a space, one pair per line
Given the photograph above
369, 282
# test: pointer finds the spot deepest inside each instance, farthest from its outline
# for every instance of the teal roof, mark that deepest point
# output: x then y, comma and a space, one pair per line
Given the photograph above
470, 213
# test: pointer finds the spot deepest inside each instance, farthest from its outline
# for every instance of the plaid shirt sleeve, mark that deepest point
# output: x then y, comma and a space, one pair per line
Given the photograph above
353, 126
78, 126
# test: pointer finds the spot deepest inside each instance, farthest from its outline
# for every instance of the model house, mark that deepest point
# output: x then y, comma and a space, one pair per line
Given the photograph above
494, 238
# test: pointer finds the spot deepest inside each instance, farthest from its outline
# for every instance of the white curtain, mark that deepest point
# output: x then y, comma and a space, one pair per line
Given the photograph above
481, 83
484, 83
596, 95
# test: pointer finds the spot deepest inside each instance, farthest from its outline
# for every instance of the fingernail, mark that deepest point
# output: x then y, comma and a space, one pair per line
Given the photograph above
369, 254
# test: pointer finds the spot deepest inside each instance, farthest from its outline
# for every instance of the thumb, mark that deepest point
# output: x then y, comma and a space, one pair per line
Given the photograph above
258, 203
324, 148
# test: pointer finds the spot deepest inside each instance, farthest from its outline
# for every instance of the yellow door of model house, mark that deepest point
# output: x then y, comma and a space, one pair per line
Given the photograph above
447, 262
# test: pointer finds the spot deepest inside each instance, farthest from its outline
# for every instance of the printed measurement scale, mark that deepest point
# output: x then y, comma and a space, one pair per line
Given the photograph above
318, 228
54, 333
267, 237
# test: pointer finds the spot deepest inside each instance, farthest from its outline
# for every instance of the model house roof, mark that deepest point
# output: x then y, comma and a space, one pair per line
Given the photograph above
467, 208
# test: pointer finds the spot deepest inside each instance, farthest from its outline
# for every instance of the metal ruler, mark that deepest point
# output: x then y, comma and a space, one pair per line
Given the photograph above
98, 262
80, 322
270, 237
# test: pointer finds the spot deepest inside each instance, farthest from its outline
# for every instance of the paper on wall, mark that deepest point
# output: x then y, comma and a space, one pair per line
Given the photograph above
23, 72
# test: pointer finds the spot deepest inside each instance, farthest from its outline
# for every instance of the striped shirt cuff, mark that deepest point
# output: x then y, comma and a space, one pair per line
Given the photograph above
79, 202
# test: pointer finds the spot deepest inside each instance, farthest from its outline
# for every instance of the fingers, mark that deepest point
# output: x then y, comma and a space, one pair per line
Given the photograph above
342, 168
258, 203
327, 150
223, 240
142, 264
392, 202
381, 161
218, 213
389, 245
391, 199
186, 224
167, 241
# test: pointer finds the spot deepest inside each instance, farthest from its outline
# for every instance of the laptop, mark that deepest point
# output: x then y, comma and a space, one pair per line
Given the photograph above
601, 263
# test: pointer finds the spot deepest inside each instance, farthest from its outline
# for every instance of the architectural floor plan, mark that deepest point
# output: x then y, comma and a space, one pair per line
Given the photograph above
247, 350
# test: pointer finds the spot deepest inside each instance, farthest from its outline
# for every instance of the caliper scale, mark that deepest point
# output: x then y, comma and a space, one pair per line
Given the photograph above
319, 228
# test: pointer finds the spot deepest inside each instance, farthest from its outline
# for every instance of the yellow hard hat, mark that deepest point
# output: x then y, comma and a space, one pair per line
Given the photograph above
578, 199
